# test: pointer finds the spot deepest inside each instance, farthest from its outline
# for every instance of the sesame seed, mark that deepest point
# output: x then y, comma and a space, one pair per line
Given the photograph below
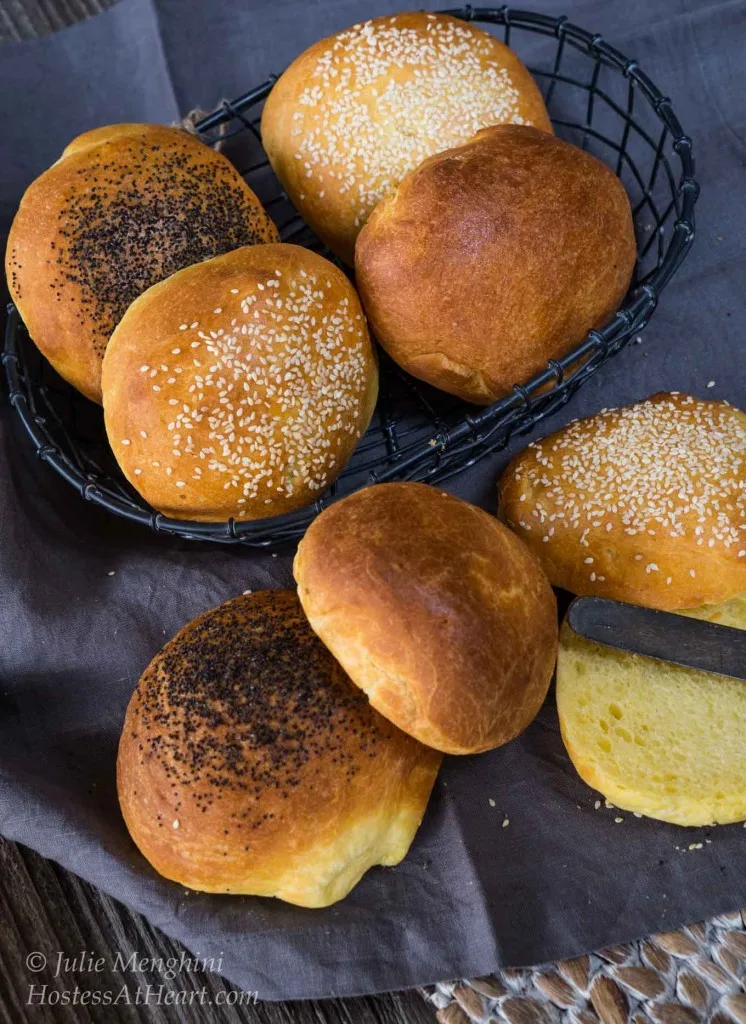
673, 464
276, 351
126, 440
455, 83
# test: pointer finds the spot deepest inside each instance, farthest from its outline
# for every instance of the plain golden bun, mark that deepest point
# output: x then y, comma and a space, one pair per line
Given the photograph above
645, 504
123, 207
357, 111
239, 387
435, 610
653, 737
248, 763
492, 258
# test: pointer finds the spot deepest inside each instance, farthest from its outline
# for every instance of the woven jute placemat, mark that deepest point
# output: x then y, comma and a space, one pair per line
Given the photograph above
696, 974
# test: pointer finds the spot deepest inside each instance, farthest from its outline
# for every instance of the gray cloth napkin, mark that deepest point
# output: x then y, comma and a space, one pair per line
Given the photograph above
87, 600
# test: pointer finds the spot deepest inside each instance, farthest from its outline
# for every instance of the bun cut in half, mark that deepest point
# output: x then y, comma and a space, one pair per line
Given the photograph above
494, 257
656, 738
357, 111
249, 763
434, 609
239, 387
645, 504
124, 206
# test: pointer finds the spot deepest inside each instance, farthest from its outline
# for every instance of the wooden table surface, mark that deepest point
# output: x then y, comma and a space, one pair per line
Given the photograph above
45, 909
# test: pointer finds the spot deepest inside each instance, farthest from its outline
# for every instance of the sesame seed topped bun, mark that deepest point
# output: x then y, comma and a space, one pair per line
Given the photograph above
239, 387
645, 504
123, 207
357, 111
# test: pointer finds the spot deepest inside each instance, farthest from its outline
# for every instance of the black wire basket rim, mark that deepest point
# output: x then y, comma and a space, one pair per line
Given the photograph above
629, 319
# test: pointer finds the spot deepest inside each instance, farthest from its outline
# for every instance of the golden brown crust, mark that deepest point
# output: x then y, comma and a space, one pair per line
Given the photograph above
359, 110
248, 763
240, 387
643, 504
494, 257
123, 207
435, 610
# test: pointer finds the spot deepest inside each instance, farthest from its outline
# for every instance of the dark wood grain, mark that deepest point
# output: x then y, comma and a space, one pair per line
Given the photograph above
44, 908
28, 19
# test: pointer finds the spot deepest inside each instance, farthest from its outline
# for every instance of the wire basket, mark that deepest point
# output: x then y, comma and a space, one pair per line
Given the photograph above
597, 99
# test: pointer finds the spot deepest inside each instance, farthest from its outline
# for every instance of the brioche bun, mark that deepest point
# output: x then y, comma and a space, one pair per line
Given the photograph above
645, 504
492, 258
248, 762
357, 111
239, 387
434, 609
123, 207
655, 738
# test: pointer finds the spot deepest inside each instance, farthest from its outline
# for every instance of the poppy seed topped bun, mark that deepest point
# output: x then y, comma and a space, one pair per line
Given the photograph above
357, 111
249, 763
494, 257
434, 609
124, 206
645, 504
240, 387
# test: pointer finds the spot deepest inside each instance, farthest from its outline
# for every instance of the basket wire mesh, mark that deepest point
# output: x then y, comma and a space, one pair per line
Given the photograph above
598, 99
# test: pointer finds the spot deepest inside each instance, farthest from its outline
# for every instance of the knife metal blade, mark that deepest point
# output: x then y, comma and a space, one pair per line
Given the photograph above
693, 643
